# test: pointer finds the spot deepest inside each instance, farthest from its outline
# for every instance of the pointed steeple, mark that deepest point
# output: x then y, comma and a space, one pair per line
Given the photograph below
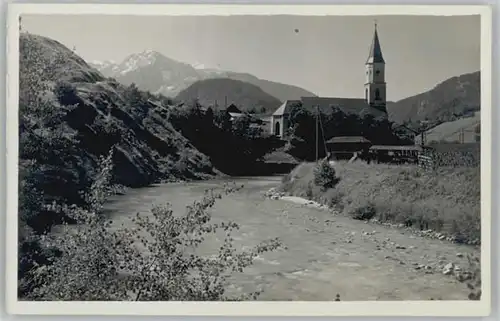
375, 55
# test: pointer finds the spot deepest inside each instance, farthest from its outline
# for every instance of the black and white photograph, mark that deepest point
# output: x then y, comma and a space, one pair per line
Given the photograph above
250, 156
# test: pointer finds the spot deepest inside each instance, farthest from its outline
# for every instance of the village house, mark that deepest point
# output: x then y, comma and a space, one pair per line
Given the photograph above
374, 101
234, 112
345, 146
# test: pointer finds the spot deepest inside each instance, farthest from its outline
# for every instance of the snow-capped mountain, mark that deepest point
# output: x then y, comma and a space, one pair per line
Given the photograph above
136, 61
105, 67
152, 71
102, 64
201, 66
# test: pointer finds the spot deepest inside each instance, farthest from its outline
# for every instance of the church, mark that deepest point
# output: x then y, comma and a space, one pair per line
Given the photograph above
373, 103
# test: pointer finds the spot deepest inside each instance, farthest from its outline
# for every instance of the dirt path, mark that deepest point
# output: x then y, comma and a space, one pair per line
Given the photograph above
325, 254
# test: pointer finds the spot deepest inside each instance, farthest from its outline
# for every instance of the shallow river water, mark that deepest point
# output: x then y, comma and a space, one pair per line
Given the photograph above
325, 255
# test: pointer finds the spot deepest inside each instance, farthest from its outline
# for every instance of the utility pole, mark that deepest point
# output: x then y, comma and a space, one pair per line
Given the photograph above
422, 138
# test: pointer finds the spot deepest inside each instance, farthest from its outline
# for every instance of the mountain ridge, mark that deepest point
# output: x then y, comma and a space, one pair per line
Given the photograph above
169, 77
448, 100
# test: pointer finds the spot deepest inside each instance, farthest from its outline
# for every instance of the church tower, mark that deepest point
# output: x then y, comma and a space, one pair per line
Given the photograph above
375, 87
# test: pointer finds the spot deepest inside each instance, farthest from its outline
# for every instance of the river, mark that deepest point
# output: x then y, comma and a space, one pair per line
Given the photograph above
325, 254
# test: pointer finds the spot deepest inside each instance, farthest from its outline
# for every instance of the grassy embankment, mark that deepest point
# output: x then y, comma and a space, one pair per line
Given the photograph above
445, 201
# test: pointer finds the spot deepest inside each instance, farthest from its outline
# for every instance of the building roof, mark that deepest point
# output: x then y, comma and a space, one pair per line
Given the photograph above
375, 54
357, 106
394, 147
233, 109
266, 119
285, 107
348, 139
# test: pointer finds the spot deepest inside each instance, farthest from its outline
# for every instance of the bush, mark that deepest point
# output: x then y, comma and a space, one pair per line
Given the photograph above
324, 176
365, 212
66, 93
154, 261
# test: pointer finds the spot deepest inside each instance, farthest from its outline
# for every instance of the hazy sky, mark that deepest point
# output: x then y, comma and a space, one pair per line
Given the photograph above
326, 56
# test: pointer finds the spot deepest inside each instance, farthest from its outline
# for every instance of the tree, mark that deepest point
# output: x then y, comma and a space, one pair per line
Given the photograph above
252, 110
222, 120
133, 95
301, 122
66, 93
325, 176
209, 115
241, 126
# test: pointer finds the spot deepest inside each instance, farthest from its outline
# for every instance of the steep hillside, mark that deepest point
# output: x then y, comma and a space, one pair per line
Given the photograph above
244, 95
154, 72
448, 101
70, 115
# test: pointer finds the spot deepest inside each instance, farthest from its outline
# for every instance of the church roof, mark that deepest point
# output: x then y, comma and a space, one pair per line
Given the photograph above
285, 107
357, 106
375, 54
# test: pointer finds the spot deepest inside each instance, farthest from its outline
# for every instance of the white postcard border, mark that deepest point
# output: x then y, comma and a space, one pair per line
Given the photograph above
343, 308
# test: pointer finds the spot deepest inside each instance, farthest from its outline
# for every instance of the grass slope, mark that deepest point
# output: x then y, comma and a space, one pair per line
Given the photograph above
447, 201
450, 131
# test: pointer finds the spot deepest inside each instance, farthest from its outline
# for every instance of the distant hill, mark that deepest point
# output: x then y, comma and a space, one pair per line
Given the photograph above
242, 94
448, 101
154, 72
281, 91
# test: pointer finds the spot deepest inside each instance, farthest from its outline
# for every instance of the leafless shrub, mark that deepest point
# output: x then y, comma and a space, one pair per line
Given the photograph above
154, 261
